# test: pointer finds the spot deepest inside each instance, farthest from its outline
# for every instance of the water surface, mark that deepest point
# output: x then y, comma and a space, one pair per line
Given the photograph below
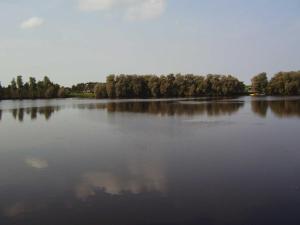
155, 162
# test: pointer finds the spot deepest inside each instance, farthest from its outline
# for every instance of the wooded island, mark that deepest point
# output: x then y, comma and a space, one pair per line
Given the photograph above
152, 86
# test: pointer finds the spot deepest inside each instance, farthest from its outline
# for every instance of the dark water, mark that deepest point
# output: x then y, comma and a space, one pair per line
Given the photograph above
210, 162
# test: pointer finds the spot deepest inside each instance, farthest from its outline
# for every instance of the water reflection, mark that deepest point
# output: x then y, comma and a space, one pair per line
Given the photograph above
150, 181
20, 209
33, 112
138, 175
135, 169
15, 209
169, 108
280, 108
36, 163
260, 108
285, 108
161, 108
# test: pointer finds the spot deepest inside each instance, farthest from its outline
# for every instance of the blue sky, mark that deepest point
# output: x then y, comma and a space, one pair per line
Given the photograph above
84, 40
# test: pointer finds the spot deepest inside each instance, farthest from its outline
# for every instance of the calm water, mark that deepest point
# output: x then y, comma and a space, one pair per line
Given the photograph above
210, 162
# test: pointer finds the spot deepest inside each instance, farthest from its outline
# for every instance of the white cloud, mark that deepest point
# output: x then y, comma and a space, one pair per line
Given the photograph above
150, 9
31, 23
131, 9
95, 5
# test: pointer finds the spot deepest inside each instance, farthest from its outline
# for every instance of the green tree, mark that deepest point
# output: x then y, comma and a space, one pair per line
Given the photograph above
154, 86
50, 92
285, 83
110, 86
180, 85
200, 85
260, 83
167, 86
46, 82
191, 87
1, 91
20, 86
100, 90
32, 88
122, 87
138, 86
61, 92
20, 82
13, 89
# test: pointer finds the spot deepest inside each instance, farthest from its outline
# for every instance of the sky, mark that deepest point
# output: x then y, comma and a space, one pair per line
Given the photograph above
74, 41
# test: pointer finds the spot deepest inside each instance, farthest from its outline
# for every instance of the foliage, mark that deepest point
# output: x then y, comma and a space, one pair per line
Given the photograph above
80, 95
31, 89
285, 83
100, 90
282, 83
260, 83
151, 86
83, 87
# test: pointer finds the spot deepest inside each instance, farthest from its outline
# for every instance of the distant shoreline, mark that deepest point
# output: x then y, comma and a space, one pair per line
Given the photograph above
156, 87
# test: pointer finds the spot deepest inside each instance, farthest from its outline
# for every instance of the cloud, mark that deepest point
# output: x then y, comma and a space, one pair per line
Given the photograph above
95, 5
150, 9
32, 23
130, 9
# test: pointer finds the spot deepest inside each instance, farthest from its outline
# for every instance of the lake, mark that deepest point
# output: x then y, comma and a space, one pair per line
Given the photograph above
150, 162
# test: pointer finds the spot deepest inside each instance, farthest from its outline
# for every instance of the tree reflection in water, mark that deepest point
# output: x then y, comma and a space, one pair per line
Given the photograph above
169, 108
280, 108
33, 112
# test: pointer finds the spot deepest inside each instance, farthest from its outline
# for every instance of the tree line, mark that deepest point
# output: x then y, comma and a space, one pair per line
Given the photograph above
282, 83
152, 86
32, 89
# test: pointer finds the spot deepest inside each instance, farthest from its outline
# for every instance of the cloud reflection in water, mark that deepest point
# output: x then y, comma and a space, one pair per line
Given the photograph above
36, 163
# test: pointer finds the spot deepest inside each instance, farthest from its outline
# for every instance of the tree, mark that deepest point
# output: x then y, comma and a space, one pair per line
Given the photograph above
13, 89
1, 92
190, 90
19, 82
167, 86
138, 86
154, 86
32, 88
61, 92
200, 85
110, 86
40, 89
260, 83
122, 89
20, 87
285, 83
46, 82
100, 90
50, 92
180, 85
